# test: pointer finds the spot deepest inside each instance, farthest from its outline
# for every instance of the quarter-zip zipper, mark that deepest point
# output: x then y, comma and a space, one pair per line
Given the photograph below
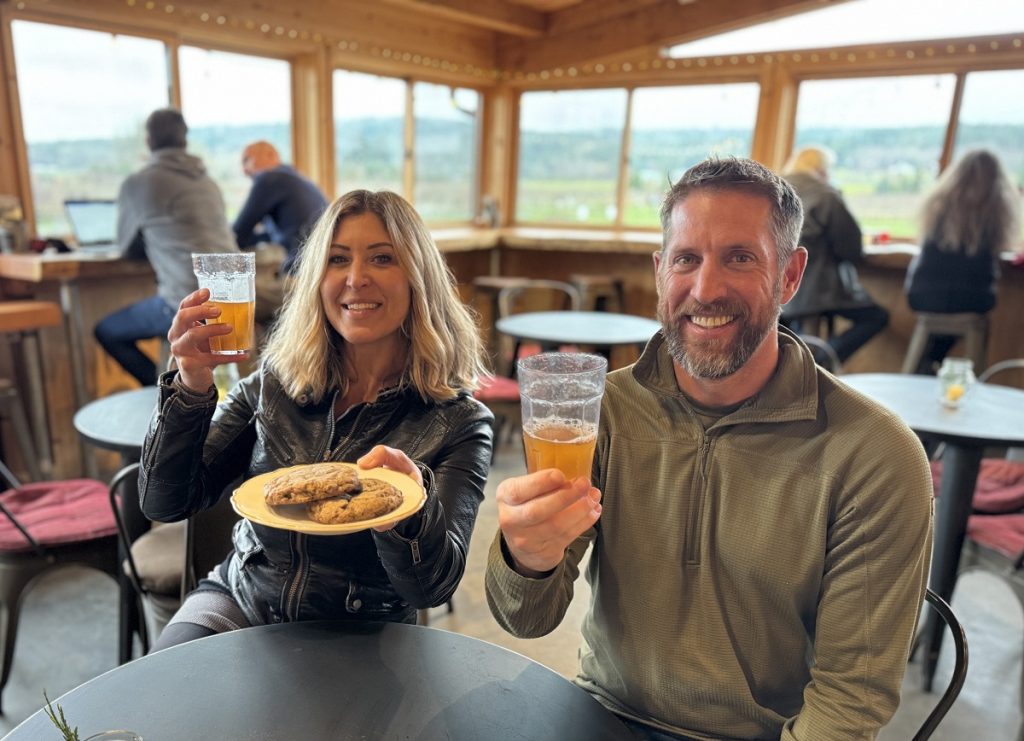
691, 548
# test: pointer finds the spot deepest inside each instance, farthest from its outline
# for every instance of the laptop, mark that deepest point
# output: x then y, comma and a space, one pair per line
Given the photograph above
93, 224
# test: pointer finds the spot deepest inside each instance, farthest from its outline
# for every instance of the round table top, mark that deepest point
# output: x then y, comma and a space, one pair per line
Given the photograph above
118, 422
988, 414
330, 680
579, 327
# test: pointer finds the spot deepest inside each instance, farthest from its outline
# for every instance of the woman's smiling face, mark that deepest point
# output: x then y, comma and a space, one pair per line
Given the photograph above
365, 292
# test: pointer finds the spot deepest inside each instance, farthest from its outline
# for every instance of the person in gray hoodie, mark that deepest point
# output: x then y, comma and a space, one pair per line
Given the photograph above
166, 211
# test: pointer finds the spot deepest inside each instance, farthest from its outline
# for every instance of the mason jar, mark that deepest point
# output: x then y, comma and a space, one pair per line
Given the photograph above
956, 376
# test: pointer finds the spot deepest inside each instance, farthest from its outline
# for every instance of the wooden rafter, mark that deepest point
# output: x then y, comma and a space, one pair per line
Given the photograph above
638, 26
495, 15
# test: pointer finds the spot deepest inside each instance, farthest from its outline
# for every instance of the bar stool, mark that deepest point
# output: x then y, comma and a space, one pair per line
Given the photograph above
20, 322
600, 292
485, 296
14, 412
973, 328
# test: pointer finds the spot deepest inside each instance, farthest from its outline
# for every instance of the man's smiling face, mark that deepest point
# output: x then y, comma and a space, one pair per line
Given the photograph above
720, 287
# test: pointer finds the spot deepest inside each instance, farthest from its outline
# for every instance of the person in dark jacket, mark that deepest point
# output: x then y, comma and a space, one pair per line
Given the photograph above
834, 243
371, 361
281, 208
970, 216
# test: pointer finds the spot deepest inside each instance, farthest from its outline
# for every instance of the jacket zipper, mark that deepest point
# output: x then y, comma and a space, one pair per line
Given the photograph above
299, 554
291, 610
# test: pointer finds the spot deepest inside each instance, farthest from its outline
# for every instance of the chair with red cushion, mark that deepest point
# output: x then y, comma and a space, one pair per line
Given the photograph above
1000, 486
42, 526
501, 393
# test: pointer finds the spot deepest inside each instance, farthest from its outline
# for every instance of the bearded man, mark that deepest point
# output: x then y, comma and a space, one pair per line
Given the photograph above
761, 533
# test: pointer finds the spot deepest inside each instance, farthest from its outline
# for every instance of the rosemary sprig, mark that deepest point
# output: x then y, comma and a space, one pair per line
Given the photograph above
67, 732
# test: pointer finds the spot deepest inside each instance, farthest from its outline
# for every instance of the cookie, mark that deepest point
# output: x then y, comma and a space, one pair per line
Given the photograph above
376, 499
311, 483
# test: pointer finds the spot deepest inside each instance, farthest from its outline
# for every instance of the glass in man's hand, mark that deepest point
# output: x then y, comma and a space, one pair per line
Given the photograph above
561, 403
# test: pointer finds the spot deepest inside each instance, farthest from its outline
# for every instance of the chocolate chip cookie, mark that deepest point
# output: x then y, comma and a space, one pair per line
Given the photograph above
377, 498
312, 483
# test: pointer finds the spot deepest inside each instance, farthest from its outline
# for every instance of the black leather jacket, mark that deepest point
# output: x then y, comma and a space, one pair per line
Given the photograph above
195, 448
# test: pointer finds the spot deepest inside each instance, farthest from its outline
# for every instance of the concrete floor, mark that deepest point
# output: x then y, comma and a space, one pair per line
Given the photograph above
68, 635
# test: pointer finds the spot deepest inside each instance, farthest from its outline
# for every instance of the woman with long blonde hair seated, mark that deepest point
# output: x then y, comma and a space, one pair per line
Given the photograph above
372, 361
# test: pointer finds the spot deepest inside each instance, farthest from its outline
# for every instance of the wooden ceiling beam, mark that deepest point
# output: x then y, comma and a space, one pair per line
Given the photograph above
592, 13
656, 25
494, 15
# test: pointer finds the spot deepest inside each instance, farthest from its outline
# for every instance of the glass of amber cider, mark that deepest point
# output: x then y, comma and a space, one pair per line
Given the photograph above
561, 401
231, 278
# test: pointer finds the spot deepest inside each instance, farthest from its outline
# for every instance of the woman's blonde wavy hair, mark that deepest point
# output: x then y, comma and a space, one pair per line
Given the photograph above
445, 350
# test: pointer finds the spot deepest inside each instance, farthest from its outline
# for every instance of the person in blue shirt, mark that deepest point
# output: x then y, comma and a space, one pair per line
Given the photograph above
281, 208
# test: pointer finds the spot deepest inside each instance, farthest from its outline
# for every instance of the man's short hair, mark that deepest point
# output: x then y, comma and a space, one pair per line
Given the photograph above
745, 176
166, 127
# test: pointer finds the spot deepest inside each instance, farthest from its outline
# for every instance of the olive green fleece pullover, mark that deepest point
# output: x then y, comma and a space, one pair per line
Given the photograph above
758, 580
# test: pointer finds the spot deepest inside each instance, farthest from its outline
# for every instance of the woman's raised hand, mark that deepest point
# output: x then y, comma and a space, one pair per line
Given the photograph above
190, 341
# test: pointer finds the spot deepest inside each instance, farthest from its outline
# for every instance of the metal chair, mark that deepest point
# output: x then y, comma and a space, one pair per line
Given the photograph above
824, 353
501, 392
1000, 487
960, 654
45, 525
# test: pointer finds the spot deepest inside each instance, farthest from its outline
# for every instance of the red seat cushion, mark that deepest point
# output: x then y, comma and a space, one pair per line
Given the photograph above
497, 388
55, 512
1000, 486
1001, 533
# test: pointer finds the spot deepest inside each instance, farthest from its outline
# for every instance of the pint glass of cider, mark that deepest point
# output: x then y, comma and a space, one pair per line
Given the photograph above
561, 400
231, 278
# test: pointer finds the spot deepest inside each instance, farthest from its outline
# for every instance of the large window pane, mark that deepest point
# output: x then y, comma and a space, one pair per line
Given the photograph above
992, 117
676, 127
887, 135
570, 143
229, 100
84, 99
445, 147
369, 121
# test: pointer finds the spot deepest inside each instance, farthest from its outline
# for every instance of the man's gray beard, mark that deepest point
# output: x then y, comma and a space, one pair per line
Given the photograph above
711, 360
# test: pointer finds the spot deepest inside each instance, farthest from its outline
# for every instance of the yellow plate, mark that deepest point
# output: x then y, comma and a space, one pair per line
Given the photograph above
249, 501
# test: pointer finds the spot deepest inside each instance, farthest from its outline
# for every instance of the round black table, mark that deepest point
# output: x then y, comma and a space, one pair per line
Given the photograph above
327, 680
989, 415
118, 422
600, 328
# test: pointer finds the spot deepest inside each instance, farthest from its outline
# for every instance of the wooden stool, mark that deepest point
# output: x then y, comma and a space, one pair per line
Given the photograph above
972, 327
20, 322
600, 292
14, 412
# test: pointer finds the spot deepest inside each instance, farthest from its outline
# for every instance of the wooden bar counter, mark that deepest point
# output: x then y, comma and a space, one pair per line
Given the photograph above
104, 284
88, 286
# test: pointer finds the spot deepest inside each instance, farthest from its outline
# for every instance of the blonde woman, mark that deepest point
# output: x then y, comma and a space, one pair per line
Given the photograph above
372, 360
833, 241
970, 216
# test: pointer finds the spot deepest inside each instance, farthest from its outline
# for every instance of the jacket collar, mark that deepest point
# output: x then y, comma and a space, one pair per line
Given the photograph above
790, 394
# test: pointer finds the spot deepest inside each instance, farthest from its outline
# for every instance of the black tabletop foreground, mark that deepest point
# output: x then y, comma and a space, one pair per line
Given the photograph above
332, 680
